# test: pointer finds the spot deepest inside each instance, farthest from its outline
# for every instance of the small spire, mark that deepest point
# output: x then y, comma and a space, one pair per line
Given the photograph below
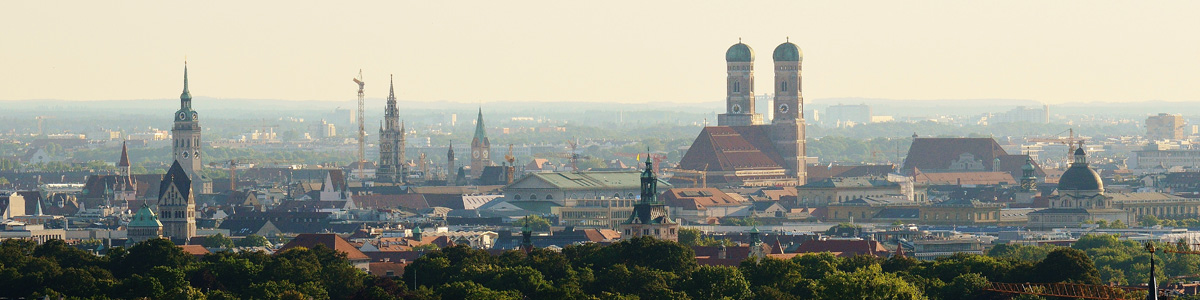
38, 211
739, 40
391, 87
124, 160
186, 96
787, 39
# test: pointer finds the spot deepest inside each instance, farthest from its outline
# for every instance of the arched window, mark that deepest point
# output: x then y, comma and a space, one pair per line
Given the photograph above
783, 86
617, 196
532, 197
737, 86
549, 197
517, 197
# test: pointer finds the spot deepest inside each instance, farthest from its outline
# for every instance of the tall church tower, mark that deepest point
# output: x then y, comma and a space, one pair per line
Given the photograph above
481, 148
186, 135
650, 217
787, 128
177, 204
391, 143
450, 167
739, 86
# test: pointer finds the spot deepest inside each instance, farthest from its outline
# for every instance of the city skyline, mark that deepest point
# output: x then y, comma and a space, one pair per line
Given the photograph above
1071, 51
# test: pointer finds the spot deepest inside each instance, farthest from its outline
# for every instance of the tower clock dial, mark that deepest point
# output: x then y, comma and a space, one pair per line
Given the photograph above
783, 108
195, 116
475, 153
182, 115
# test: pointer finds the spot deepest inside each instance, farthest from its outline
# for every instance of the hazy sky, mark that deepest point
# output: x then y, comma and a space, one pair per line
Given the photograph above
619, 51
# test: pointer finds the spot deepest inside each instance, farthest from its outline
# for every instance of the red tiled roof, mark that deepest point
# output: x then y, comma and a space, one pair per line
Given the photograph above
699, 198
731, 148
195, 250
844, 248
382, 268
333, 241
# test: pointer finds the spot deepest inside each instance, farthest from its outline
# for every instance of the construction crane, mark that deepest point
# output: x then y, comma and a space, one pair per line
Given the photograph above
574, 155
1071, 141
40, 121
362, 131
512, 160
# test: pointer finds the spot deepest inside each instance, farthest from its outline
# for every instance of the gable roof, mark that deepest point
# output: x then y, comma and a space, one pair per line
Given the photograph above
939, 153
177, 177
333, 241
732, 148
700, 198
844, 248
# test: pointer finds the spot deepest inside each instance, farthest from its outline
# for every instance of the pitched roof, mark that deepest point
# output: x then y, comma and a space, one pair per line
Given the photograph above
820, 172
175, 176
956, 178
332, 241
731, 148
939, 153
850, 182
700, 198
404, 201
844, 248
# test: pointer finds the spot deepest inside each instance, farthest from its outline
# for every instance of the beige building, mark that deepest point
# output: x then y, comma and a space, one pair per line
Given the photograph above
837, 190
1080, 198
1164, 127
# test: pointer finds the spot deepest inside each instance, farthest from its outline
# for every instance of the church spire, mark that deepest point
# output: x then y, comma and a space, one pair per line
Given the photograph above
185, 99
480, 133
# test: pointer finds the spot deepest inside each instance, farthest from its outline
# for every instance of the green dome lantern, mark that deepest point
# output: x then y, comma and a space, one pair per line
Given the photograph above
787, 52
739, 53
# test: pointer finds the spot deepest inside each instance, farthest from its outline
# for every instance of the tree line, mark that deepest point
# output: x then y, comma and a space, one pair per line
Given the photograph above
639, 268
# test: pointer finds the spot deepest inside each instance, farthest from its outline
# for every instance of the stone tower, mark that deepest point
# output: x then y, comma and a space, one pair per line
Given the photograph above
739, 86
391, 143
650, 217
787, 128
186, 136
177, 204
481, 148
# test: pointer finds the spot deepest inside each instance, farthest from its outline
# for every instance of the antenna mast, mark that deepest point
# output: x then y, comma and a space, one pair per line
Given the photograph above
362, 132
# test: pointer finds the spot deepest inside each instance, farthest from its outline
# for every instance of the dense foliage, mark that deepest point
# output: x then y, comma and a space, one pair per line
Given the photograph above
640, 268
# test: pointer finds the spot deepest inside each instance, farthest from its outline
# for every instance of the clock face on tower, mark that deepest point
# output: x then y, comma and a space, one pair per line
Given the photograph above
475, 153
195, 116
783, 108
181, 116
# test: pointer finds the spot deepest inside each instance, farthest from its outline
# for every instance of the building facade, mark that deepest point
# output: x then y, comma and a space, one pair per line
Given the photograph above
177, 204
1164, 127
391, 143
1080, 198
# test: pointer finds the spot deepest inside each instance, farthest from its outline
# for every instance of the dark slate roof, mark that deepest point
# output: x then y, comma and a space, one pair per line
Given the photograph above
937, 153
1079, 177
175, 176
850, 182
404, 201
821, 172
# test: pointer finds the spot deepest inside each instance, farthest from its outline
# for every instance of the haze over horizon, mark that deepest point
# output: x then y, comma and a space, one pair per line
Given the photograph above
624, 51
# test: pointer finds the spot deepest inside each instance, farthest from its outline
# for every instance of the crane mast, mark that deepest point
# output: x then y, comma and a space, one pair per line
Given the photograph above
362, 132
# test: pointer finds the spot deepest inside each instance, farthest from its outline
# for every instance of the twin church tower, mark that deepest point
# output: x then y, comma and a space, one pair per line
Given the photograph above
744, 150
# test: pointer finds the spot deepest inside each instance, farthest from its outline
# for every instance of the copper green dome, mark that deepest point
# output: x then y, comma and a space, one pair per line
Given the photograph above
1080, 177
739, 53
787, 52
144, 218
